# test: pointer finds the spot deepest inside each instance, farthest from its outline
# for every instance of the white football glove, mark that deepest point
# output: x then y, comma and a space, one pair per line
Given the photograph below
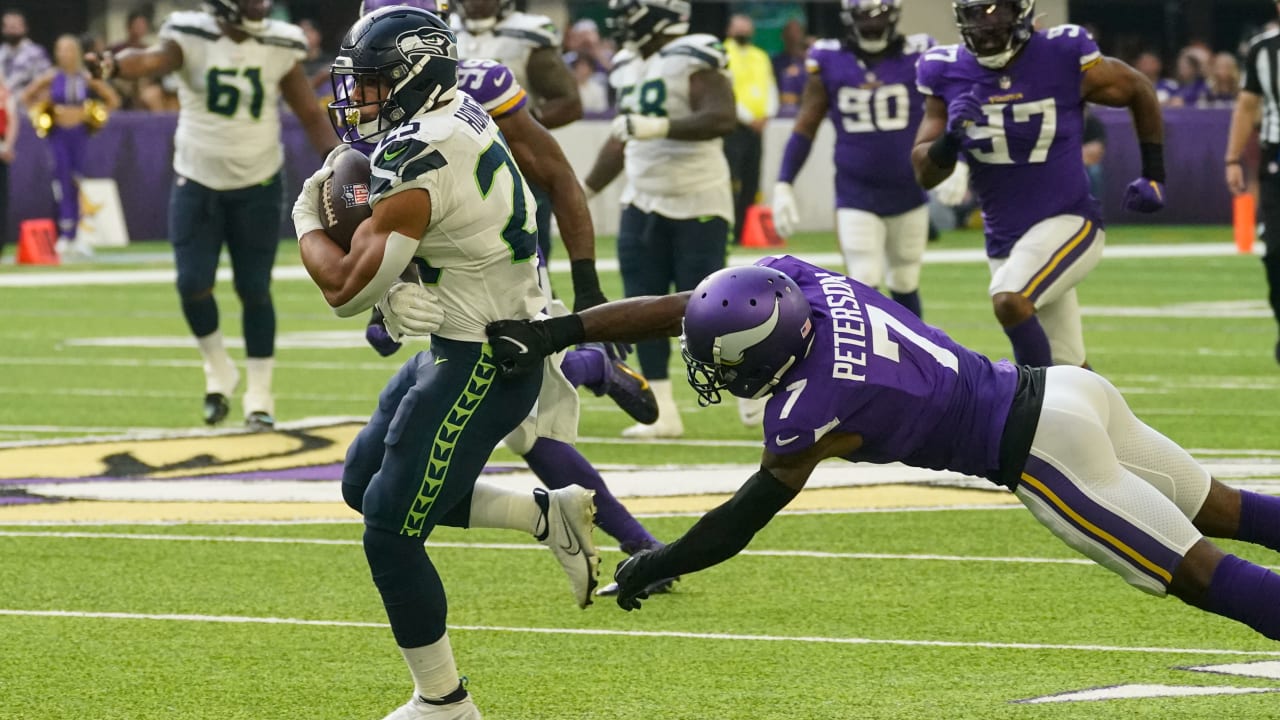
409, 309
639, 127
952, 191
786, 214
306, 209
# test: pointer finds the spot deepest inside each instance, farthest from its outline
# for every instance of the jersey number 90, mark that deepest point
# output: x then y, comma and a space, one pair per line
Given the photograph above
884, 109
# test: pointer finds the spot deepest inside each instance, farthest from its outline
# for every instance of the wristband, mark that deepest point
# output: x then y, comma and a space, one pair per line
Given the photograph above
564, 331
1152, 161
586, 283
1237, 161
945, 151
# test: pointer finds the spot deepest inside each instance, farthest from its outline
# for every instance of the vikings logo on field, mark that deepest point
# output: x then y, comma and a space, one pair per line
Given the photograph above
424, 43
355, 195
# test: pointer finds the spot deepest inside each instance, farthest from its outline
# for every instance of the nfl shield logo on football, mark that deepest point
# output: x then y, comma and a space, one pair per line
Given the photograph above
356, 194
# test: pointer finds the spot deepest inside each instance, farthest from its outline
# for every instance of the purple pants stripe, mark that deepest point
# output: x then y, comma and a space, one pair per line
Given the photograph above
1145, 553
1061, 261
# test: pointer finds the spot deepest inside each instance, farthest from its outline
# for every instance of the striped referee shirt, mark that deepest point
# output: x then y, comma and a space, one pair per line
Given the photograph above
1262, 78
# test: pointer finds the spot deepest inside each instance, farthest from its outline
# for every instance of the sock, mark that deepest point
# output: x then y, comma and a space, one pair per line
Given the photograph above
435, 675
1245, 592
257, 398
498, 507
584, 368
666, 400
220, 374
910, 301
559, 464
1030, 344
1259, 519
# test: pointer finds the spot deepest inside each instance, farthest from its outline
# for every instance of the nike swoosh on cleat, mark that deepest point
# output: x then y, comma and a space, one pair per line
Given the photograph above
573, 548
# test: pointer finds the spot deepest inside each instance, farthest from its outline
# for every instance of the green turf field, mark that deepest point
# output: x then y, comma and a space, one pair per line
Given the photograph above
901, 614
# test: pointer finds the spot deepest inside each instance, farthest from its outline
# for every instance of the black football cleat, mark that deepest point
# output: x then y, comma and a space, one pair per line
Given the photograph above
216, 407
626, 387
259, 421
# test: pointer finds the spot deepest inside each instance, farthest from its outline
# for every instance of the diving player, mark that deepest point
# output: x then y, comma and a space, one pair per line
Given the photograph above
866, 84
850, 374
1011, 99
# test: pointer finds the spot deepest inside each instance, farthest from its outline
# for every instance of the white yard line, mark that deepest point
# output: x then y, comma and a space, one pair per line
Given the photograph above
644, 634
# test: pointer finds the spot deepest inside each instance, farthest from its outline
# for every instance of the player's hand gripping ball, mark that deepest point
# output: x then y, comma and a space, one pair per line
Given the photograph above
344, 197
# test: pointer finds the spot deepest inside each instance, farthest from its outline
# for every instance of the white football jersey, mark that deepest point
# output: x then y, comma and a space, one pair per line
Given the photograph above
511, 42
679, 179
229, 123
481, 246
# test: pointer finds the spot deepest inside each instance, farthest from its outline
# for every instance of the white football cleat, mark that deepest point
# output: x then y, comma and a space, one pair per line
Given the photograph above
751, 412
416, 709
569, 515
669, 425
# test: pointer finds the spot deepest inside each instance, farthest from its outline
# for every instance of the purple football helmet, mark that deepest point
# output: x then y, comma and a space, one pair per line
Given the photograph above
743, 329
872, 24
439, 7
995, 30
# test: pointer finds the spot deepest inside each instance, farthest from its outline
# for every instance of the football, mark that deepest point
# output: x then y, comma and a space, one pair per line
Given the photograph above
344, 200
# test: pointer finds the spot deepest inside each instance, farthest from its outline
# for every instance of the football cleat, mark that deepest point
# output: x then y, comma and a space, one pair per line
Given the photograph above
419, 709
216, 407
568, 515
665, 427
259, 421
626, 387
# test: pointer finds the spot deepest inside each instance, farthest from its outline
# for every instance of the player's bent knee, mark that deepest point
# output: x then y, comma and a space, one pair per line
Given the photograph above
194, 294
903, 278
1012, 308
520, 441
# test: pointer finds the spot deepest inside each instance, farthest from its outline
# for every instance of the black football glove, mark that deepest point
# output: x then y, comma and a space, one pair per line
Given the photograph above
633, 580
519, 346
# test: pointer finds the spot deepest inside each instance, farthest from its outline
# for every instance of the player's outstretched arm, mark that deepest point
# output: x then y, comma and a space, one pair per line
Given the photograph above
352, 282
726, 530
296, 90
542, 161
608, 165
160, 59
936, 150
715, 112
1113, 83
550, 80
519, 346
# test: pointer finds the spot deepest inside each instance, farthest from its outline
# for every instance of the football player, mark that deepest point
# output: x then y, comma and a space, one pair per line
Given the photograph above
1011, 100
536, 153
530, 46
446, 194
675, 104
866, 83
233, 65
850, 374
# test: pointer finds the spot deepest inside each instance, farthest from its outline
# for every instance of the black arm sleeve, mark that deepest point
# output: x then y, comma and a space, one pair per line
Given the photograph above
723, 532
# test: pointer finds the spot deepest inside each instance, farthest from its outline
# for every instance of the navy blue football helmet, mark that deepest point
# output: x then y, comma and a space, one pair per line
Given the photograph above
394, 62
481, 16
636, 22
744, 328
995, 30
248, 15
872, 24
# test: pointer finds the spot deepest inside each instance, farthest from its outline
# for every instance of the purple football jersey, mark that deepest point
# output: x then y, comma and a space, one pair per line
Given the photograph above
1025, 157
876, 109
492, 85
914, 395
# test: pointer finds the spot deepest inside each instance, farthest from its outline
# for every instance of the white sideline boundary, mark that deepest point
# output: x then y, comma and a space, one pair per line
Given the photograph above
644, 634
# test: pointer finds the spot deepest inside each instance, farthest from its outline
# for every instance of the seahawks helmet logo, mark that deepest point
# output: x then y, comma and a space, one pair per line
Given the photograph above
426, 42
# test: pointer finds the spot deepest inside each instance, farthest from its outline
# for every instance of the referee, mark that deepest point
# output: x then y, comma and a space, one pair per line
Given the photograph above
1258, 106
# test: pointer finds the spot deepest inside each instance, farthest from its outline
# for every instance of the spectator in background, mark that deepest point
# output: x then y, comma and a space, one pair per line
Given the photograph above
757, 97
66, 92
8, 139
788, 67
593, 84
1150, 64
21, 60
1223, 84
1190, 78
1094, 148
137, 29
317, 63
584, 40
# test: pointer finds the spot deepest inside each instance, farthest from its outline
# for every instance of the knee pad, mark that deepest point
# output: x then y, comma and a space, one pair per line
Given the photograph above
520, 441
